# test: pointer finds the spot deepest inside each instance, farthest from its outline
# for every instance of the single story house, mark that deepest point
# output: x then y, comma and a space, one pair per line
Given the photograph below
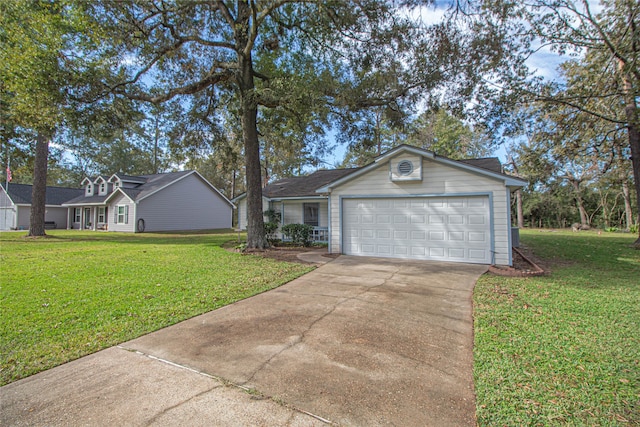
15, 206
408, 203
176, 201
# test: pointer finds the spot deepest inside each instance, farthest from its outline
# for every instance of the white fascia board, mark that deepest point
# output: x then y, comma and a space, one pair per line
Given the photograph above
240, 197
405, 148
75, 205
284, 199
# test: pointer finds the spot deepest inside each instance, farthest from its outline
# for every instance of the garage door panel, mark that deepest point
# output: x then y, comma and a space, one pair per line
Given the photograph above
476, 219
436, 219
454, 228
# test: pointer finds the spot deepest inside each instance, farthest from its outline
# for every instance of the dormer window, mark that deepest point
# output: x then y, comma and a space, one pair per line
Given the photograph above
88, 190
103, 188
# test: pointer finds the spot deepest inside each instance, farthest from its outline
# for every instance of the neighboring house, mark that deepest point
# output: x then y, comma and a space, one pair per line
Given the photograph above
176, 201
408, 203
15, 206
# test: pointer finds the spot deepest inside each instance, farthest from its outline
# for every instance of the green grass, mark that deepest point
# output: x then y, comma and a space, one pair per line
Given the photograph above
75, 292
562, 349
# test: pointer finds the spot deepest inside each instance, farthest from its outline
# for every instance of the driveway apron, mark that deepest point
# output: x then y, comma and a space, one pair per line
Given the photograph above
358, 341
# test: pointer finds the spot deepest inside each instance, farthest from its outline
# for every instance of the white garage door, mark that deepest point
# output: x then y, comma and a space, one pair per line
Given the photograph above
443, 228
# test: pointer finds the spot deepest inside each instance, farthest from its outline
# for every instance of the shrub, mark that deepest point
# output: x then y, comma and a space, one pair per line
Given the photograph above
270, 229
273, 216
298, 233
634, 229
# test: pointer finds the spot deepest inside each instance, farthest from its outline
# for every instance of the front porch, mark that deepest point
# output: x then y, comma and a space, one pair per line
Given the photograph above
87, 218
318, 235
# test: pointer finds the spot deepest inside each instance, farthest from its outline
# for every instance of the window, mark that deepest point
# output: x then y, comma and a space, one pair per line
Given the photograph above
102, 215
77, 215
311, 213
103, 188
89, 190
122, 214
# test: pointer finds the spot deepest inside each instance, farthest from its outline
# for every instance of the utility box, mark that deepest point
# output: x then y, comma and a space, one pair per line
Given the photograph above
515, 237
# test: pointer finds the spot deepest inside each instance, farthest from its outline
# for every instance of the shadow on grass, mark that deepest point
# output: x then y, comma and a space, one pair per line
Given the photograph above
218, 237
588, 259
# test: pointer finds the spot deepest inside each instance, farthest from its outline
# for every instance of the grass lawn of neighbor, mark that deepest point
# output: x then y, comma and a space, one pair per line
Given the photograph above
74, 292
561, 349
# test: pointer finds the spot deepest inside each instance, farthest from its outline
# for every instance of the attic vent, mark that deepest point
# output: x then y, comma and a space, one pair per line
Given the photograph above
405, 168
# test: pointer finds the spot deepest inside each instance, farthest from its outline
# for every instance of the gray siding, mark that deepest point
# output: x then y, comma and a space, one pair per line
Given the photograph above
188, 204
121, 200
57, 214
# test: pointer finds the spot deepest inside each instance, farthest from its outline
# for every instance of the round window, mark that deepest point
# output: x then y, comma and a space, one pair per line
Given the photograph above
405, 167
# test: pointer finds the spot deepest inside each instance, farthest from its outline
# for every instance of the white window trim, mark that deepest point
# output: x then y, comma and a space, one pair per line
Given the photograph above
102, 214
125, 214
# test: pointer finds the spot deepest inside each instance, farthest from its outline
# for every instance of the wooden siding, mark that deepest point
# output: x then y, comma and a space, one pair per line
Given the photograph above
188, 204
121, 200
293, 213
438, 179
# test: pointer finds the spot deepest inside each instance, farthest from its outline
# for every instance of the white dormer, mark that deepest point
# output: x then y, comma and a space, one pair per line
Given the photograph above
103, 186
88, 187
115, 180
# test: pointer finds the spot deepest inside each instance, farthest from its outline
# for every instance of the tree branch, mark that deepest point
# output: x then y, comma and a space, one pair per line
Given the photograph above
209, 80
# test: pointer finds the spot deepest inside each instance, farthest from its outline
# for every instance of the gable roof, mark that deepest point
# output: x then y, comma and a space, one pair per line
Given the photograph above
148, 185
154, 183
490, 167
20, 194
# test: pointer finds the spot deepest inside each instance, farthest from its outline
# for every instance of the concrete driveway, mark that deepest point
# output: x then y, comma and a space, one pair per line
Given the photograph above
357, 342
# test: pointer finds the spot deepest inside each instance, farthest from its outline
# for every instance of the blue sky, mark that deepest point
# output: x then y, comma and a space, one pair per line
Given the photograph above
543, 63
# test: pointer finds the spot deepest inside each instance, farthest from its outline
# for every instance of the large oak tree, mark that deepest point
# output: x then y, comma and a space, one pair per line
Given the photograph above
303, 60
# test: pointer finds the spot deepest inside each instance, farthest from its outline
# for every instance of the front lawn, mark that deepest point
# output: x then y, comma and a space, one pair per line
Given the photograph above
562, 349
74, 292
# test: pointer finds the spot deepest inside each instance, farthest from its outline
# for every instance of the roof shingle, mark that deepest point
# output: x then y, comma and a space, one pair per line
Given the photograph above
303, 186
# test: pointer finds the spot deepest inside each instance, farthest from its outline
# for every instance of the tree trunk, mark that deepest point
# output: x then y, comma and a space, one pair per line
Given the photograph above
255, 220
584, 218
628, 211
633, 130
519, 212
39, 189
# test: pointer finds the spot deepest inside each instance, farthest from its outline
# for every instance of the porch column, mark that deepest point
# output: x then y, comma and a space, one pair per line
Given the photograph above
94, 223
